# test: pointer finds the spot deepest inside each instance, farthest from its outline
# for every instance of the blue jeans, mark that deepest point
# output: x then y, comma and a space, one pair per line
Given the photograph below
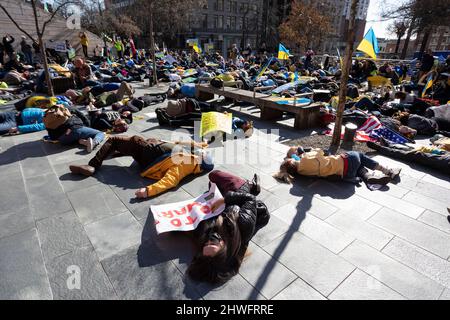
7, 121
358, 161
82, 133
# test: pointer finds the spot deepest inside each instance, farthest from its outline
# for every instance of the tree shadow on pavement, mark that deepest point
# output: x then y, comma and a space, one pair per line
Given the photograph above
305, 188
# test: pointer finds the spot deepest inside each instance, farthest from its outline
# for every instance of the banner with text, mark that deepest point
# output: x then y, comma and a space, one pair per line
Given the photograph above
186, 215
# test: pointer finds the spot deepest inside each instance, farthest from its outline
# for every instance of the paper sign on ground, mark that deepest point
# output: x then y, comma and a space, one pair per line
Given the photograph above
186, 215
215, 121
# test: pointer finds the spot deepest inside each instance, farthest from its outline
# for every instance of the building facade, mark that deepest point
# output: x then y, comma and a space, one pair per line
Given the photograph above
276, 11
439, 40
221, 23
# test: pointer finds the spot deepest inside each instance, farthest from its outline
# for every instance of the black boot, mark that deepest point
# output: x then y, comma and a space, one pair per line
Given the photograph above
255, 188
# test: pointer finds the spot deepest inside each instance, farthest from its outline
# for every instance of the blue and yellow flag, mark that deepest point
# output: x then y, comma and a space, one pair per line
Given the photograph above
428, 85
261, 72
283, 52
369, 45
197, 48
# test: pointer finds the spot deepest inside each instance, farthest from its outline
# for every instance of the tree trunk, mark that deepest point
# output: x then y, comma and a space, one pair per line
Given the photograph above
42, 48
152, 47
426, 37
397, 47
345, 75
408, 38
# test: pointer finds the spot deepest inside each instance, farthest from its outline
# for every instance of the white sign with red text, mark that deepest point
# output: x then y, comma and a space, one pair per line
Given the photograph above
186, 215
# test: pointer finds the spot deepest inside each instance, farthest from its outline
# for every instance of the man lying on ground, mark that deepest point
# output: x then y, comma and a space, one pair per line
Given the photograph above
348, 166
159, 160
28, 120
431, 157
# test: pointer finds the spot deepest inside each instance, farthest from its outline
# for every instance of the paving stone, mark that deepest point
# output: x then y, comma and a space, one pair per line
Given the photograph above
299, 290
71, 182
247, 172
319, 267
413, 231
273, 230
93, 281
363, 207
445, 295
94, 203
61, 234
271, 200
47, 197
235, 289
426, 202
114, 234
9, 158
361, 286
58, 154
352, 224
420, 260
391, 202
314, 228
142, 272
22, 270
436, 220
15, 222
406, 281
438, 179
433, 191
33, 160
265, 273
13, 195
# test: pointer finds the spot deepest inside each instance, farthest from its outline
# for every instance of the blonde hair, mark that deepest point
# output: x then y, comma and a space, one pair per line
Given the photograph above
286, 173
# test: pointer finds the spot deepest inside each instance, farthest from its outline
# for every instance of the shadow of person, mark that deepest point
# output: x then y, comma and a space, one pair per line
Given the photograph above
305, 188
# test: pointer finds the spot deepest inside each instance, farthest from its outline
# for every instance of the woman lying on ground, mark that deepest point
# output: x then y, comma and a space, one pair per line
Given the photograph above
348, 166
223, 240
28, 120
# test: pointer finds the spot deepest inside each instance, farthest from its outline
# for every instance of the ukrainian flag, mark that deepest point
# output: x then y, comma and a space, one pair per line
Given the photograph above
197, 48
428, 85
283, 53
369, 45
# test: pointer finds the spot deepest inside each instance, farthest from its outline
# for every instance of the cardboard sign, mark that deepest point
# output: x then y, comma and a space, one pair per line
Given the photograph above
215, 121
186, 215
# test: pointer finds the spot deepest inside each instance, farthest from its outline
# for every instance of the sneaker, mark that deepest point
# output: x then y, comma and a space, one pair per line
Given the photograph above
84, 170
381, 180
394, 173
90, 145
255, 186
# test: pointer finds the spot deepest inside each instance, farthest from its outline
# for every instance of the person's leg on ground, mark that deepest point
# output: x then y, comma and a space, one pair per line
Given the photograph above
94, 137
7, 121
124, 89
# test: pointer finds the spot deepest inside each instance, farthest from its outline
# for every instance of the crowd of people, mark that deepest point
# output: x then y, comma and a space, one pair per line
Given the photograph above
99, 100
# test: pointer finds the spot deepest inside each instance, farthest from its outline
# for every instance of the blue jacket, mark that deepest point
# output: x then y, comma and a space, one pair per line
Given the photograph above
32, 120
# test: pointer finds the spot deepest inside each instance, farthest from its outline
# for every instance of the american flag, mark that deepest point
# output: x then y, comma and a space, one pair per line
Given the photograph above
371, 124
375, 129
389, 135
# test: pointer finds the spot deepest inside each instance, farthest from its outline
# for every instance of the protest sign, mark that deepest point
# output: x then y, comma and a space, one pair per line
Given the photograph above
215, 121
186, 215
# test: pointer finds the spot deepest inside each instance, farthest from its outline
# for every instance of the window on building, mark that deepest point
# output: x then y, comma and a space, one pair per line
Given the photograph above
233, 23
228, 23
234, 7
220, 5
205, 21
240, 23
220, 24
229, 5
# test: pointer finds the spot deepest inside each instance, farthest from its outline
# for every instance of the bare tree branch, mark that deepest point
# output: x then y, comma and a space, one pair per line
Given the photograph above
55, 12
15, 23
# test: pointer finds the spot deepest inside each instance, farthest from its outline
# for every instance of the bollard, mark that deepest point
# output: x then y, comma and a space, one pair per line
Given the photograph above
350, 132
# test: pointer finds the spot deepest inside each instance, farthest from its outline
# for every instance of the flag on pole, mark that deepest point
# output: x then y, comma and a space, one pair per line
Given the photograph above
340, 58
369, 45
197, 48
46, 6
264, 68
283, 52
428, 85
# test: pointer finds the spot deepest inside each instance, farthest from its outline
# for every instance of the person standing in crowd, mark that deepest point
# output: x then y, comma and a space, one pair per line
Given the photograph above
234, 53
308, 60
119, 47
426, 64
8, 40
84, 41
2, 53
26, 50
97, 51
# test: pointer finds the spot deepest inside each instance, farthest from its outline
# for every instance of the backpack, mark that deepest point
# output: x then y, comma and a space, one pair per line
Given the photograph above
56, 116
217, 83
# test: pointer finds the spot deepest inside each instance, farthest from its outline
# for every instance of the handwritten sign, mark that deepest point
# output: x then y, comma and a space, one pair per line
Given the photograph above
215, 121
186, 215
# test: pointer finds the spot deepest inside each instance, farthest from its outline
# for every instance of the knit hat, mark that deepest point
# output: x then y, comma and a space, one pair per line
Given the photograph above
3, 85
